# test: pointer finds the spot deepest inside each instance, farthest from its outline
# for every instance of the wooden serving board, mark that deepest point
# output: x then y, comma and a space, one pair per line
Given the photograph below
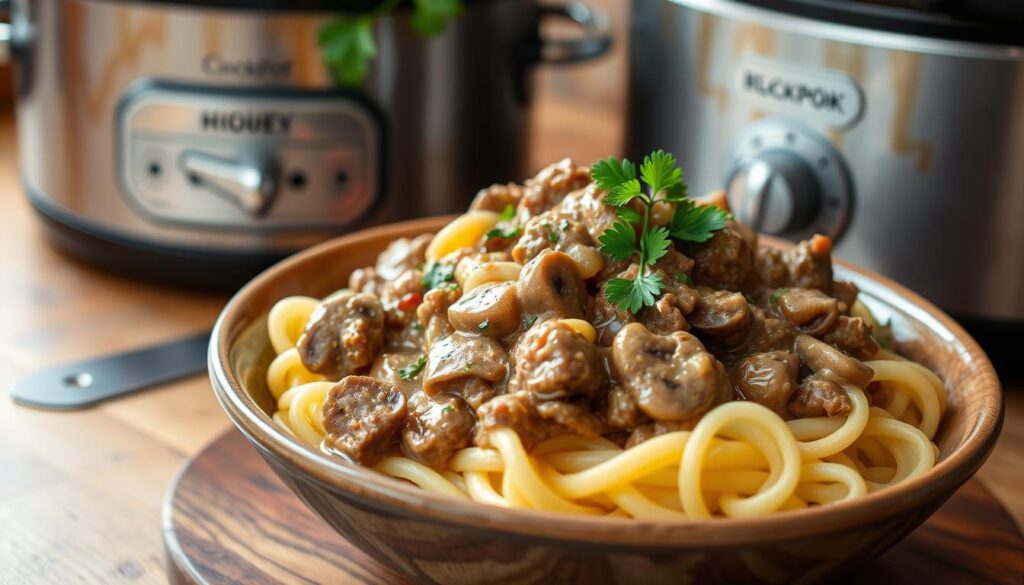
228, 519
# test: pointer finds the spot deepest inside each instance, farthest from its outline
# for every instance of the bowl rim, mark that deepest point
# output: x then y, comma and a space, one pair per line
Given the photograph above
383, 492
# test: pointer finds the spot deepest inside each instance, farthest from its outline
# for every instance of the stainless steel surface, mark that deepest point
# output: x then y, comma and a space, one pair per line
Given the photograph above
85, 383
454, 115
934, 155
786, 179
267, 160
249, 186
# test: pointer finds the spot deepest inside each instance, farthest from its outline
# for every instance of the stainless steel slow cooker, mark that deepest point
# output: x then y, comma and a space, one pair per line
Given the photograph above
199, 141
897, 129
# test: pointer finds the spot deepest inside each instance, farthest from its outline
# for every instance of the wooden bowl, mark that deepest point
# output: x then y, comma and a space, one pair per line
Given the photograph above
431, 538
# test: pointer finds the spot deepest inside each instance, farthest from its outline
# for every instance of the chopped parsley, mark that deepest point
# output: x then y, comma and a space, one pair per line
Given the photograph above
564, 225
529, 320
437, 275
552, 234
448, 409
507, 233
884, 336
412, 370
349, 45
508, 213
684, 278
690, 222
483, 325
468, 366
776, 295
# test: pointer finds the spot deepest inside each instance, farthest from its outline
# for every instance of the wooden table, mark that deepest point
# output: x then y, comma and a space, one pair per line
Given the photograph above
81, 492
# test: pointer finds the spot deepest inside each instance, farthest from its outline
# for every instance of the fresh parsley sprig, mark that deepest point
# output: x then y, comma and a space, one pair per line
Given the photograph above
349, 45
690, 222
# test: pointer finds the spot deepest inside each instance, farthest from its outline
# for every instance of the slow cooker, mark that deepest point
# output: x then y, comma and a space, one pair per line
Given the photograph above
897, 128
200, 141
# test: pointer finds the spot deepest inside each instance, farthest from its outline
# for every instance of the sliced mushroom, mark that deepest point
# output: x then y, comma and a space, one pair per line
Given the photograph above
363, 417
460, 356
672, 377
810, 310
553, 360
767, 378
830, 363
490, 309
551, 284
720, 313
344, 334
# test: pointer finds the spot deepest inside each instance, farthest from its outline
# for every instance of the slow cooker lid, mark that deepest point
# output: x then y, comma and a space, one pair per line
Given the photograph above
983, 21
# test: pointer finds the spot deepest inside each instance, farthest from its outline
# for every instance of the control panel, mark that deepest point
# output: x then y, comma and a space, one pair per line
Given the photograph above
786, 179
248, 159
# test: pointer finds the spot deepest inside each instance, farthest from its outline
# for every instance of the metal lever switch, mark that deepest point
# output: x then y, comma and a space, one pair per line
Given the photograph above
250, 187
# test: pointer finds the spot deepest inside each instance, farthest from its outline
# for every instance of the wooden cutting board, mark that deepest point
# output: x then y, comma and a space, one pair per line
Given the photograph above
228, 519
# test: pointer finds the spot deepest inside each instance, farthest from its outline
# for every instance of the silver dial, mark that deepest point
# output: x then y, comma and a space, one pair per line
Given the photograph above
787, 180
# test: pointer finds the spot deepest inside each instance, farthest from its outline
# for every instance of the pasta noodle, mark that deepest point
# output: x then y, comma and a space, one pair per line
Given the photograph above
741, 459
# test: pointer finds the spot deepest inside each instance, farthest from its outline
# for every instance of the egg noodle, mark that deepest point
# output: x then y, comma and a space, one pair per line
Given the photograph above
741, 460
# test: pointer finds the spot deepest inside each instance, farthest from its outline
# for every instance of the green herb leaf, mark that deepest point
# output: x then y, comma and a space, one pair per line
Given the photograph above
677, 193
552, 234
633, 295
506, 233
348, 47
611, 172
619, 241
448, 409
684, 278
412, 370
437, 275
776, 295
529, 320
750, 299
654, 244
660, 171
623, 193
468, 366
628, 214
508, 213
564, 225
431, 16
483, 325
696, 223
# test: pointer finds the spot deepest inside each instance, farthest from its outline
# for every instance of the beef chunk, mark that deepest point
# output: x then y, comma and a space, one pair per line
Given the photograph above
587, 206
365, 280
610, 318
819, 395
534, 420
550, 186
437, 427
343, 335
363, 417
496, 197
554, 361
853, 336
810, 264
671, 377
622, 411
723, 261
548, 231
769, 270
767, 378
433, 314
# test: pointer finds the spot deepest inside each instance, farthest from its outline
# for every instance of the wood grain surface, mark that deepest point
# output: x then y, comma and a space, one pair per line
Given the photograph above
81, 492
229, 519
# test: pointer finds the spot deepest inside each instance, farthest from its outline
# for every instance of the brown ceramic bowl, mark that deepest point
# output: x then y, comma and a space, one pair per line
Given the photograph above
435, 539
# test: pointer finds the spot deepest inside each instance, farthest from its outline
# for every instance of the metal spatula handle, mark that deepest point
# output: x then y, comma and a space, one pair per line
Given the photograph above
89, 382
